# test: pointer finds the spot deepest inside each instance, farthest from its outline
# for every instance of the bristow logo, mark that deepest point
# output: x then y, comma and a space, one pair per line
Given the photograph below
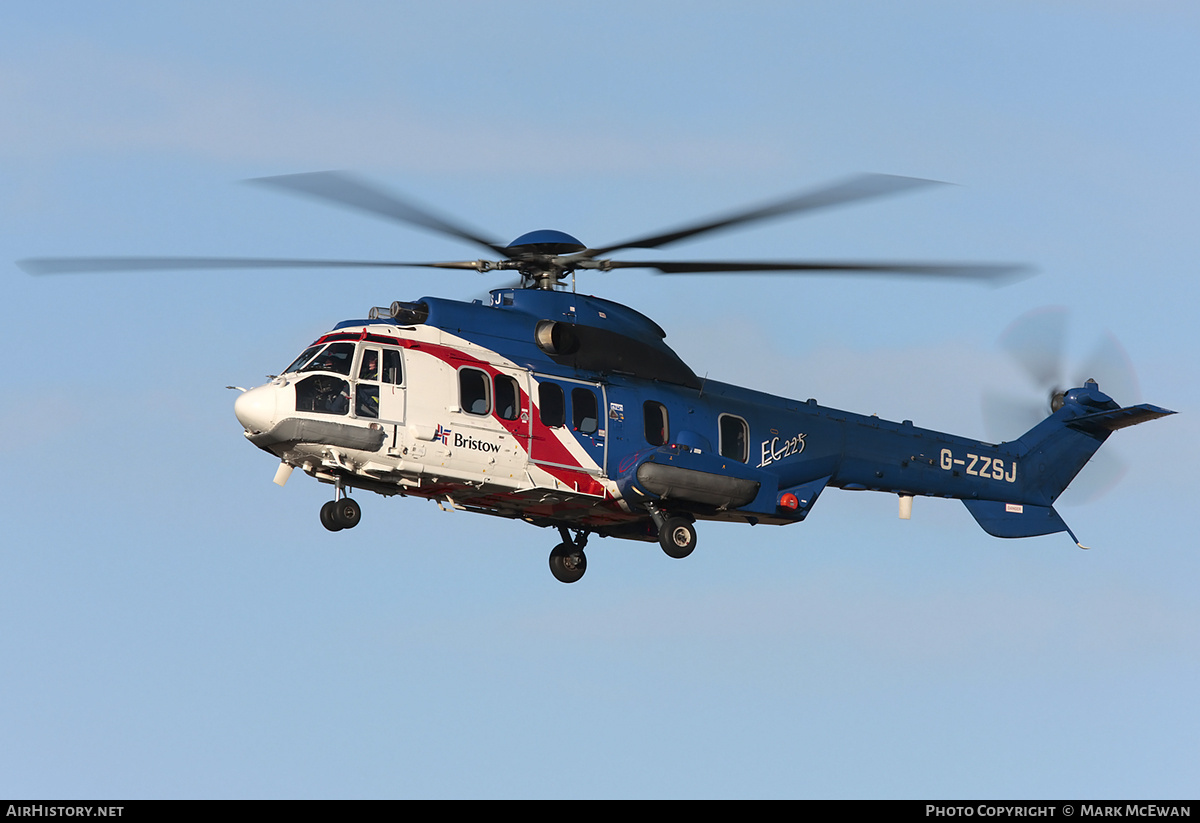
442, 434
475, 445
777, 449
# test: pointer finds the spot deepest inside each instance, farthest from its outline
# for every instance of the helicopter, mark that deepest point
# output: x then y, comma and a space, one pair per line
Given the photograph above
570, 412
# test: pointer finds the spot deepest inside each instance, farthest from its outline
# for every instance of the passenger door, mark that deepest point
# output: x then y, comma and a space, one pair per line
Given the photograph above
570, 408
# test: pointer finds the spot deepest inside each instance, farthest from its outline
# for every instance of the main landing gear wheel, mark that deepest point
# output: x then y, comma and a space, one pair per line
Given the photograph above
567, 562
327, 517
340, 514
677, 537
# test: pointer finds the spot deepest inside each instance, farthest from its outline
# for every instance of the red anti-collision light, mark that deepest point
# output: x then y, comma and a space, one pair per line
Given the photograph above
789, 501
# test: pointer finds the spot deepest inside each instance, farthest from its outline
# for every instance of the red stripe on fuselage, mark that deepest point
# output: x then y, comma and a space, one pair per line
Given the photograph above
555, 451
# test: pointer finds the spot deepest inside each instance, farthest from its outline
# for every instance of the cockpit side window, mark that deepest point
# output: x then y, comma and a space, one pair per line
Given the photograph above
323, 394
366, 400
368, 369
392, 373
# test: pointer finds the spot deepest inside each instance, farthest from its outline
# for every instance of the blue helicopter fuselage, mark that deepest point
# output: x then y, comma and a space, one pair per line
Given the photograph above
571, 411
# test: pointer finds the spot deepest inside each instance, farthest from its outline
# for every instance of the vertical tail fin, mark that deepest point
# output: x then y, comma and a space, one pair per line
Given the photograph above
1051, 454
1055, 450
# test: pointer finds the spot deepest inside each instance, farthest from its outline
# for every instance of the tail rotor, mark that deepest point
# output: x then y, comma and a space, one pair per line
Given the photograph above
1036, 344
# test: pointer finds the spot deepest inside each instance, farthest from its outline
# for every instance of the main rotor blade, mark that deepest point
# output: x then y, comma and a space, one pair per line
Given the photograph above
342, 188
862, 187
77, 265
971, 271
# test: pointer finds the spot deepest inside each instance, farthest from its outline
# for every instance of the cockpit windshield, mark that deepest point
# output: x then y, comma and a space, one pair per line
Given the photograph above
302, 359
336, 358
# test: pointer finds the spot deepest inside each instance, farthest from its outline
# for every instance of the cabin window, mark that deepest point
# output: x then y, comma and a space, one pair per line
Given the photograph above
655, 415
473, 391
508, 397
323, 394
584, 415
735, 437
552, 405
336, 357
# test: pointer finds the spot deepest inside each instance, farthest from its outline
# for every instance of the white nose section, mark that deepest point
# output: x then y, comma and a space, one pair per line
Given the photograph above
255, 409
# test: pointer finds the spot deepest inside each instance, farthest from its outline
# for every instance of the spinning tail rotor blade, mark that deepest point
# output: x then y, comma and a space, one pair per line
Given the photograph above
1006, 417
1036, 343
341, 188
1100, 476
1109, 365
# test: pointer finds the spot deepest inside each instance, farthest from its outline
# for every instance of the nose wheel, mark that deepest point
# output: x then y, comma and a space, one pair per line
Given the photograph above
567, 560
340, 514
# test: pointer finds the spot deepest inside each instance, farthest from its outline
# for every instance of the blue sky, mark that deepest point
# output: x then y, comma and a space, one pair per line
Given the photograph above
174, 625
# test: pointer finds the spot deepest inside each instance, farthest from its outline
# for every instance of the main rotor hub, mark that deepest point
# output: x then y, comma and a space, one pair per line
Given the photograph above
545, 241
537, 255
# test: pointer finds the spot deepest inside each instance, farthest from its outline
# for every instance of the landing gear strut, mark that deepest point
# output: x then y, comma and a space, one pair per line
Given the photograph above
567, 560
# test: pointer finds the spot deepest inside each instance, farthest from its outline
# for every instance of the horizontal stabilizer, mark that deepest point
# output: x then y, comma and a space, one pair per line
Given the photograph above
1110, 421
1015, 519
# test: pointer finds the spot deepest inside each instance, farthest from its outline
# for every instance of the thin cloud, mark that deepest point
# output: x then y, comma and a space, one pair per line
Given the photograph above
88, 100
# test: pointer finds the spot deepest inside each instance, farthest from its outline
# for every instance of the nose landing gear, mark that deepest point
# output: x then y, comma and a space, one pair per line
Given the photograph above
340, 514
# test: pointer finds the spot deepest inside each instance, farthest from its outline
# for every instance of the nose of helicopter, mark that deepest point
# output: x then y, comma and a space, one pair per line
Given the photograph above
255, 409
